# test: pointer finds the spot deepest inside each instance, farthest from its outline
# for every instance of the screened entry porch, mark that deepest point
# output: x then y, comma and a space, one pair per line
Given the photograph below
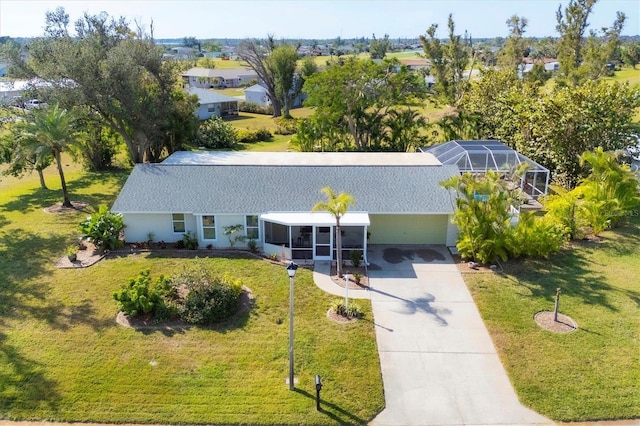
312, 236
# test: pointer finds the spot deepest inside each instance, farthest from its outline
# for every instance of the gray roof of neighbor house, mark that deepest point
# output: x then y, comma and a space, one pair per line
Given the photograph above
252, 183
208, 97
219, 73
256, 88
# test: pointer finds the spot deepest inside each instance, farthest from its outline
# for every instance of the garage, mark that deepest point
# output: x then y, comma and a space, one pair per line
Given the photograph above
408, 229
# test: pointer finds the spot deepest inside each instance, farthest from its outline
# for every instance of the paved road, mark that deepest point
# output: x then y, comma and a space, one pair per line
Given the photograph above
439, 365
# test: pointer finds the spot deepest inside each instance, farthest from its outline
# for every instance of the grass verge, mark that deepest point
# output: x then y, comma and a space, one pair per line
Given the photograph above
594, 372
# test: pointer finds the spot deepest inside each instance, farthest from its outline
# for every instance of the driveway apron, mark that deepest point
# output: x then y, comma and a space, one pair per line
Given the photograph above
439, 365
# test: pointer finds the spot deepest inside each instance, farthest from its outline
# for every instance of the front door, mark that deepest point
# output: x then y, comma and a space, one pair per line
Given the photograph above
323, 242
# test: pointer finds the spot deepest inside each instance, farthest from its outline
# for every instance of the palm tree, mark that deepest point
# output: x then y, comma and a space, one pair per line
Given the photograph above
20, 158
50, 132
336, 205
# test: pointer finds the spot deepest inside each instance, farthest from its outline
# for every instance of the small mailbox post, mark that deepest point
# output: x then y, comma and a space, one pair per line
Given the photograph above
318, 389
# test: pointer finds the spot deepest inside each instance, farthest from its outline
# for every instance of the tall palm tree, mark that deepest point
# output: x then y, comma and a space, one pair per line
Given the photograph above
50, 132
336, 205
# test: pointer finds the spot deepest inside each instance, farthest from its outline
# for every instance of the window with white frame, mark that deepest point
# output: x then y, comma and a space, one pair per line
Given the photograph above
209, 227
178, 223
252, 227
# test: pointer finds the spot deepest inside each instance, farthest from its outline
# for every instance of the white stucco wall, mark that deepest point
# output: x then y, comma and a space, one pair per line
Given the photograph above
222, 240
138, 226
203, 111
256, 97
452, 232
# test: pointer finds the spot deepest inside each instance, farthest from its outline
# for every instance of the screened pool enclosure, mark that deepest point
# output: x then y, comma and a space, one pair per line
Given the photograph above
478, 156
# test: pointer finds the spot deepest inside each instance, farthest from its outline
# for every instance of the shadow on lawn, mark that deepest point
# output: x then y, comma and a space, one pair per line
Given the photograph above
572, 271
334, 412
23, 256
23, 386
4, 221
41, 198
569, 271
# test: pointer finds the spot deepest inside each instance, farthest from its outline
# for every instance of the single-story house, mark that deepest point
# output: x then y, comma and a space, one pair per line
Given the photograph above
398, 200
211, 103
207, 78
257, 94
415, 64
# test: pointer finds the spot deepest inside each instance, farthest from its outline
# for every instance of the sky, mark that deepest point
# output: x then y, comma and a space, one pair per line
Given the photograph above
323, 19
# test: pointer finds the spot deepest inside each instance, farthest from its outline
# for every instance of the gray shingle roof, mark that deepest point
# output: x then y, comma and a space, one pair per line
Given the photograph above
242, 189
208, 97
226, 73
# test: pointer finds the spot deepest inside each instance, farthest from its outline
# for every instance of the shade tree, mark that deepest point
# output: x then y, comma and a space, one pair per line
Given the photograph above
118, 74
353, 102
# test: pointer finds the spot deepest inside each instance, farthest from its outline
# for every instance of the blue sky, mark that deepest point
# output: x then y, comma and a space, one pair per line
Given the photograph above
315, 19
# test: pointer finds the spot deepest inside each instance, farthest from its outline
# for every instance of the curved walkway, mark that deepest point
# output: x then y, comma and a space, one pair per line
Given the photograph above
439, 365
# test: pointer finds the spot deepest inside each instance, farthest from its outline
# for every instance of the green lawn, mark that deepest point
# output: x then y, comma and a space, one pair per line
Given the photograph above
278, 143
627, 74
594, 372
63, 357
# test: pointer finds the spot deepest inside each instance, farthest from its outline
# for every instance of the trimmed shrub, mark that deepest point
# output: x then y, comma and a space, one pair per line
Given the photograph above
286, 126
255, 108
215, 133
140, 296
103, 229
252, 136
209, 298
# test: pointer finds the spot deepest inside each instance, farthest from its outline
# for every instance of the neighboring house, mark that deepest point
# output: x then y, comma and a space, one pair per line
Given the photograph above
211, 103
257, 94
415, 64
11, 90
207, 78
398, 200
183, 52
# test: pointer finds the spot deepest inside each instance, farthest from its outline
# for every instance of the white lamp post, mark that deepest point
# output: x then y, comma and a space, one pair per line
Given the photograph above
291, 270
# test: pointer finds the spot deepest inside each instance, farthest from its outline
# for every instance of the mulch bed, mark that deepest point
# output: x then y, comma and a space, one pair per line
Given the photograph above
59, 209
148, 323
564, 324
335, 317
466, 267
85, 258
364, 280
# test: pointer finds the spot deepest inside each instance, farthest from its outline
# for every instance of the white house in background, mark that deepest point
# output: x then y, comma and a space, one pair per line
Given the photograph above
257, 94
9, 90
211, 103
208, 78
398, 200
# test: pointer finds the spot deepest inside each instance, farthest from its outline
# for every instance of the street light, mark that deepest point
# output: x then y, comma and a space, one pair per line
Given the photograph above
291, 270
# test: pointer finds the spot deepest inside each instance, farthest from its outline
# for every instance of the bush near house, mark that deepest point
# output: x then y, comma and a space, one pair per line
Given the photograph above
215, 133
255, 108
103, 229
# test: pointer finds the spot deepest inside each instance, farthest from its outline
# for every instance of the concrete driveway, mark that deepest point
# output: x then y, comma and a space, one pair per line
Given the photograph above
439, 365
